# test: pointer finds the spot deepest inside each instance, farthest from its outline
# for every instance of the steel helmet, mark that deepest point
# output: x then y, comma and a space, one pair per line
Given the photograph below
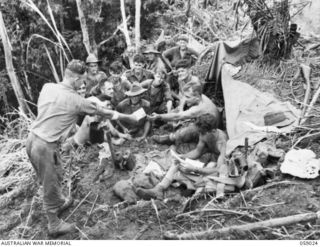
92, 59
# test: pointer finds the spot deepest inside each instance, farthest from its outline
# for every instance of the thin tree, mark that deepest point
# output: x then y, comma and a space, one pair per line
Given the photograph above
125, 25
137, 26
9, 65
84, 28
125, 31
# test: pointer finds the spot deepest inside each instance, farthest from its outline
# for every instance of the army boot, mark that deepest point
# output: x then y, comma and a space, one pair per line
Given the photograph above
57, 226
67, 204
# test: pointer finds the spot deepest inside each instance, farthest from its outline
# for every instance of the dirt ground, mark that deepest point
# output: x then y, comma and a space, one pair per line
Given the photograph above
281, 196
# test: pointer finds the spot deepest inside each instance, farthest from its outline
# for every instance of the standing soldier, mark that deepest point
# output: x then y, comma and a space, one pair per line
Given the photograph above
58, 108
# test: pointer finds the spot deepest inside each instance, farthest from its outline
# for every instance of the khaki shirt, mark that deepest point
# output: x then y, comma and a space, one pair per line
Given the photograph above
58, 110
92, 81
133, 77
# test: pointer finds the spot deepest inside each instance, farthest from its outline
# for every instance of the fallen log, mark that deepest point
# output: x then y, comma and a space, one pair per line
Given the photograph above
219, 210
247, 227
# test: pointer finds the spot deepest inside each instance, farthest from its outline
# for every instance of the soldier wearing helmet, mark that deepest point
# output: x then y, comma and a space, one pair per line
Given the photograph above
93, 75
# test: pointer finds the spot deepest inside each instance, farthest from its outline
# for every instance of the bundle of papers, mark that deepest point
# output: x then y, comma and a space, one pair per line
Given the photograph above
195, 163
139, 114
155, 168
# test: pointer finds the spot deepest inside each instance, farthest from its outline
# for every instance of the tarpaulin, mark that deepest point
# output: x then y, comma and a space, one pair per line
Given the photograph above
196, 45
245, 107
234, 53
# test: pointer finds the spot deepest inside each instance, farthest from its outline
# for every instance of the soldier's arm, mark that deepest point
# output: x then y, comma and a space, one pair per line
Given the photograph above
146, 83
114, 115
182, 115
222, 147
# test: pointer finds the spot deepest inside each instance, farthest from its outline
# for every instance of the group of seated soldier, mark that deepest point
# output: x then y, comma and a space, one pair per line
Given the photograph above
163, 86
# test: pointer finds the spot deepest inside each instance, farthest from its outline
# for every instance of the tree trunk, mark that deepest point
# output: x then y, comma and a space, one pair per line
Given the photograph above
61, 20
125, 25
84, 28
9, 65
137, 26
92, 12
248, 227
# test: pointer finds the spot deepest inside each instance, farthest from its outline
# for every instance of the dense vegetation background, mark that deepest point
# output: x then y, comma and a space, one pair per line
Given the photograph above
30, 36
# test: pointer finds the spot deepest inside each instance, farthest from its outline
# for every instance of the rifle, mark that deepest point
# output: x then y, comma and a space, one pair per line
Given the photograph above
103, 166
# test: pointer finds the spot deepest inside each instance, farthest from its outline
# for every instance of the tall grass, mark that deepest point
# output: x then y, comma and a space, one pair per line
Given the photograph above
60, 42
16, 128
